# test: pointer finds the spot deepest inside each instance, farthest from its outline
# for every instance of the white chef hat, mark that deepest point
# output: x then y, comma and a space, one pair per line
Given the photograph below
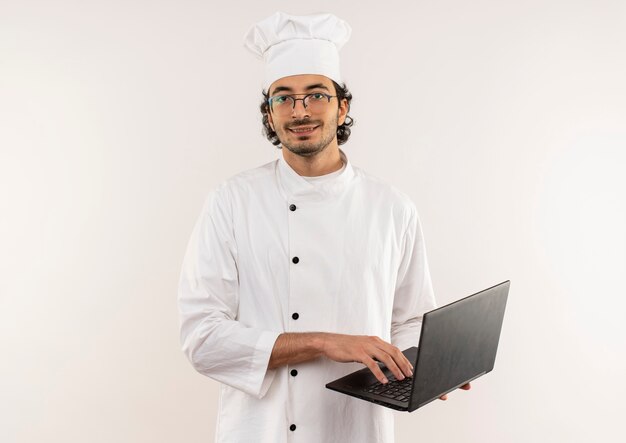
298, 44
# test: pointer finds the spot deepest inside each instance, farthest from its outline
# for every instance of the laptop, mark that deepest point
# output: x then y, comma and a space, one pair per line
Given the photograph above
458, 344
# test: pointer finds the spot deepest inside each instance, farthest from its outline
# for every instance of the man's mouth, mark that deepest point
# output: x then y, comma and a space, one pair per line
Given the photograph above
303, 130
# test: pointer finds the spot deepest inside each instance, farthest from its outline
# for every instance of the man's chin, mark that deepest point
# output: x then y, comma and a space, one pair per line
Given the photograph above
304, 150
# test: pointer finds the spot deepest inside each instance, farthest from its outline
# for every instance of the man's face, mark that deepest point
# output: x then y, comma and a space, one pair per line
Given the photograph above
324, 123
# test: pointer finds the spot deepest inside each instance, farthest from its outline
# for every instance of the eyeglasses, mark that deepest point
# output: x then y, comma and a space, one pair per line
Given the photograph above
285, 104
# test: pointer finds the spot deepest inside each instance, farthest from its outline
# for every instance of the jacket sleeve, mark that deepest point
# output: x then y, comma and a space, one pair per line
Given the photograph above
414, 292
216, 344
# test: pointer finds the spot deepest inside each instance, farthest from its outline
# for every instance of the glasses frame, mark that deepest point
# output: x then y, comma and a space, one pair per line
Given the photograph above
306, 96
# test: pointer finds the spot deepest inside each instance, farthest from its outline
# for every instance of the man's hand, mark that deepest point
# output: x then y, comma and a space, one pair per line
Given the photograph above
366, 350
465, 387
298, 347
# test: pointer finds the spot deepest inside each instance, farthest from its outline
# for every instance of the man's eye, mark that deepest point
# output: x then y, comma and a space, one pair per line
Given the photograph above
280, 99
318, 96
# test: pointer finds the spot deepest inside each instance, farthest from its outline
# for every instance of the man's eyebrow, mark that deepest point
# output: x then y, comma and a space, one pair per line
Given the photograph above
308, 88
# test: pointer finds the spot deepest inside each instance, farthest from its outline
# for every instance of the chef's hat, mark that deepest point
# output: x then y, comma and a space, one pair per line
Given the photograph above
298, 44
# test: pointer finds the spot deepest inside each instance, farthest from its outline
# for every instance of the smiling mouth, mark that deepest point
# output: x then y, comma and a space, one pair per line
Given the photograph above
303, 131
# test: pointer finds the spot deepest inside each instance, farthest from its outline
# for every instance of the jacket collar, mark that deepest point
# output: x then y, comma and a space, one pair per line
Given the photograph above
295, 188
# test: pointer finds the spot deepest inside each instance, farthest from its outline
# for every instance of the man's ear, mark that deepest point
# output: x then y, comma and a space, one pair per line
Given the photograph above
269, 119
342, 112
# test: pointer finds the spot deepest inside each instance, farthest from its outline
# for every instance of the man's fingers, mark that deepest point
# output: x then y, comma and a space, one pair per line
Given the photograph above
398, 357
465, 387
391, 365
403, 363
371, 364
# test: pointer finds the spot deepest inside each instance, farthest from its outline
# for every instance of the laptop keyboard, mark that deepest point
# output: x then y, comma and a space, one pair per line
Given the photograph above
396, 389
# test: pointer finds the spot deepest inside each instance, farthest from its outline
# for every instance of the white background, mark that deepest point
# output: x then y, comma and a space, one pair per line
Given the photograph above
504, 120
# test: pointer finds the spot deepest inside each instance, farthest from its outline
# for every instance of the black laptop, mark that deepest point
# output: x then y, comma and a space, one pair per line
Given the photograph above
458, 344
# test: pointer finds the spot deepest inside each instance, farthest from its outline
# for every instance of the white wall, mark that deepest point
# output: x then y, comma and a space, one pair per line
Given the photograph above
505, 121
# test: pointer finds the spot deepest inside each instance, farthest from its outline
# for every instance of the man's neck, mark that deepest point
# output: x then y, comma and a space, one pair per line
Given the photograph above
326, 162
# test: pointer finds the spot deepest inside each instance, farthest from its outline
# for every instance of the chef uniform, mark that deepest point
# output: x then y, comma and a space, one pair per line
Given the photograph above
274, 252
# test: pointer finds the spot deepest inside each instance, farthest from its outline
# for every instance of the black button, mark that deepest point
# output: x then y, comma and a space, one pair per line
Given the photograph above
295, 259
292, 207
295, 316
292, 427
294, 372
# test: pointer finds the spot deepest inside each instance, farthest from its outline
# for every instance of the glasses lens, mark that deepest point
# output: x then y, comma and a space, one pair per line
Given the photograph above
316, 102
282, 104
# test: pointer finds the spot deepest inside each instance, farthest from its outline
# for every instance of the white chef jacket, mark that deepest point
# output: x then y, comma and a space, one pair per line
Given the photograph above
272, 252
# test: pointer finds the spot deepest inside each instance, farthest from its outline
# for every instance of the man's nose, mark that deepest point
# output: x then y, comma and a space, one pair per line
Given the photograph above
299, 109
